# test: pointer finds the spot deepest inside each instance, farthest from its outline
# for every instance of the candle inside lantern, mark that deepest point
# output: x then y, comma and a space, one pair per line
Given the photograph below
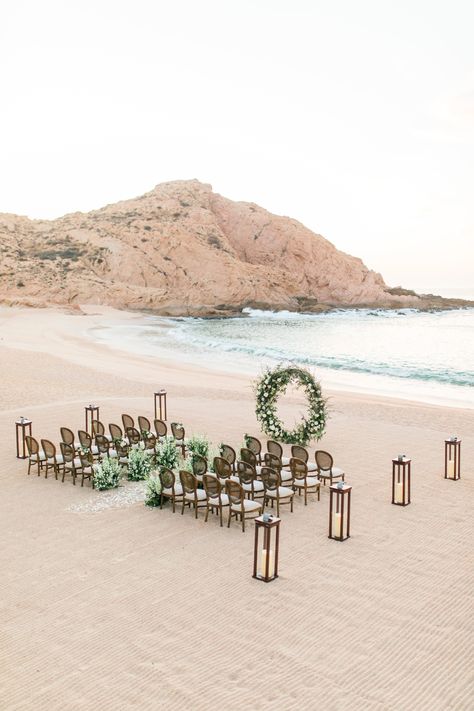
337, 525
399, 493
451, 473
271, 564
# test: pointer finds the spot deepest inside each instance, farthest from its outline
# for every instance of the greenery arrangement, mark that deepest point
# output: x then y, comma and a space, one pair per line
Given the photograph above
153, 490
198, 444
268, 389
167, 454
107, 474
139, 464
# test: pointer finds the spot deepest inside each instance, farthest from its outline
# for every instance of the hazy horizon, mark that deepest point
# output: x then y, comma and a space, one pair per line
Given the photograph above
355, 119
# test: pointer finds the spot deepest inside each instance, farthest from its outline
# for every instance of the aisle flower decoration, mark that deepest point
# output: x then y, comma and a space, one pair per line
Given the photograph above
271, 386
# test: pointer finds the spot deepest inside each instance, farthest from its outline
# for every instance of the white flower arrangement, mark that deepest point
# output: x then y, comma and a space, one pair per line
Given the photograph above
107, 474
139, 464
153, 490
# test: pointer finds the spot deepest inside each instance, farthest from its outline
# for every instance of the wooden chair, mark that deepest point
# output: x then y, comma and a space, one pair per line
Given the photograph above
247, 456
150, 443
228, 453
67, 436
192, 496
170, 488
255, 446
161, 428
326, 468
276, 449
99, 429
103, 445
301, 453
223, 470
87, 467
127, 422
274, 462
216, 499
144, 426
120, 452
274, 491
303, 482
71, 463
199, 465
116, 432
36, 456
133, 435
86, 443
178, 433
249, 482
239, 506
53, 460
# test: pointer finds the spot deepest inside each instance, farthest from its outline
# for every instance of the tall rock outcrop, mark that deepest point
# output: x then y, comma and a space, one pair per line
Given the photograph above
182, 250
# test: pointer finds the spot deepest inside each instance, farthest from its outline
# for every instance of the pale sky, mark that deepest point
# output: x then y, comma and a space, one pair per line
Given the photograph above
355, 117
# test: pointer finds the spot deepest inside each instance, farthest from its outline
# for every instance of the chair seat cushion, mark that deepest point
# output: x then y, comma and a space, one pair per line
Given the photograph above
200, 495
58, 459
336, 471
214, 500
285, 461
283, 491
112, 453
286, 475
257, 486
41, 455
178, 490
249, 505
311, 467
123, 460
94, 449
77, 463
310, 481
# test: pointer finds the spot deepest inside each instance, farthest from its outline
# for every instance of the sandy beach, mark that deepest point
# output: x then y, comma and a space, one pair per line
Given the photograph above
128, 607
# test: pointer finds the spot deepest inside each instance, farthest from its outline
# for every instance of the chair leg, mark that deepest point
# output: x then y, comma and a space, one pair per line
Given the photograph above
174, 503
291, 506
305, 496
195, 509
319, 492
220, 515
182, 507
230, 516
243, 523
207, 512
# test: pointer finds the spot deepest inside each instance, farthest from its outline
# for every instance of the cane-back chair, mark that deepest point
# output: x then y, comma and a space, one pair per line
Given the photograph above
192, 496
326, 468
302, 482
216, 498
36, 456
301, 453
249, 482
274, 491
239, 506
170, 488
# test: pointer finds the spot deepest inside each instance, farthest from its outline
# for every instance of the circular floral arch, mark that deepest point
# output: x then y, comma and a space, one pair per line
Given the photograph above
268, 389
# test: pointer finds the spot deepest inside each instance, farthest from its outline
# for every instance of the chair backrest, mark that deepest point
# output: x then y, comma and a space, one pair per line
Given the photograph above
228, 453
235, 492
48, 448
115, 431
127, 421
144, 424
274, 448
133, 435
102, 444
199, 465
87, 459
67, 436
246, 455
222, 468
122, 450
188, 482
299, 469
67, 451
32, 445
177, 430
85, 439
97, 428
246, 472
299, 453
272, 461
271, 478
167, 478
150, 441
254, 445
324, 460
161, 428
212, 486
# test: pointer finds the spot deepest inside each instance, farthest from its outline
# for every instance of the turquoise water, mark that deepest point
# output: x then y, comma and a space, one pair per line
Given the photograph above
405, 353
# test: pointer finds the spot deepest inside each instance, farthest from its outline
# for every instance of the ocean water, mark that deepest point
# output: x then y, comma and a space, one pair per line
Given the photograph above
407, 354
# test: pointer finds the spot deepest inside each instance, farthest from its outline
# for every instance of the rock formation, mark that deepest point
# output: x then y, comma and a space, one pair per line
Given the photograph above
182, 250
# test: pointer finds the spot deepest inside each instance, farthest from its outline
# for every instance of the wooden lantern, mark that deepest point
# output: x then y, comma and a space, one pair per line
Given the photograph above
265, 554
452, 458
401, 480
160, 402
339, 511
22, 429
92, 413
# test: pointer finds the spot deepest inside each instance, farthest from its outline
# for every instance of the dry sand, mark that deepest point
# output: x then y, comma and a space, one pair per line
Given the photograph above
136, 608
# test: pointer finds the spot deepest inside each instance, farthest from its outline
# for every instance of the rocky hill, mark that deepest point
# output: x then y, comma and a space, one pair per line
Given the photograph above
182, 250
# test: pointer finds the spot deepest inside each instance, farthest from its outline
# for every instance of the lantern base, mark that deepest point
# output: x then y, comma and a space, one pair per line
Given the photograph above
400, 503
263, 579
338, 538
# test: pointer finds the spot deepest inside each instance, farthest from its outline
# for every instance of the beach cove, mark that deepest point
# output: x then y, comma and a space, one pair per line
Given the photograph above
139, 608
